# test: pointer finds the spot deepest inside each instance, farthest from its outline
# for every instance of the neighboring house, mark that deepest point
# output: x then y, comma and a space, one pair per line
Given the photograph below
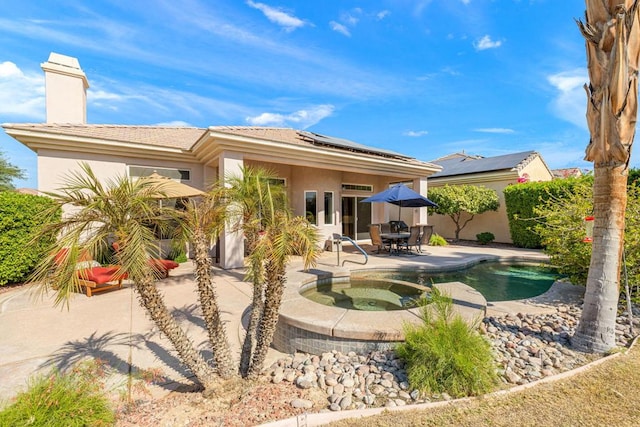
567, 173
325, 177
491, 172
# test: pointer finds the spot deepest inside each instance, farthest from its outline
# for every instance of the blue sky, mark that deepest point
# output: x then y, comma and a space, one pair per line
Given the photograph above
424, 77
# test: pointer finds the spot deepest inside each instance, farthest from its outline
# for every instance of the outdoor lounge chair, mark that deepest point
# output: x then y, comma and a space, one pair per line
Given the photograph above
163, 266
376, 239
94, 277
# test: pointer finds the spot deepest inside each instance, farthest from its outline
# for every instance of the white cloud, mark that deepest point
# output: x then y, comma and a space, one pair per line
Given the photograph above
174, 124
382, 14
339, 28
278, 16
415, 133
21, 93
466, 2
486, 43
301, 118
349, 19
100, 95
570, 101
495, 130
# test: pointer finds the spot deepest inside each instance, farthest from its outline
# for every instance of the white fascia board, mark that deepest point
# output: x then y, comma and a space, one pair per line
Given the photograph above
35, 140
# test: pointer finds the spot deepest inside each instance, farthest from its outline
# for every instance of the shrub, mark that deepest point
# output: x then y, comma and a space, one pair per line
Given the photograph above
445, 354
563, 231
75, 398
521, 200
20, 216
437, 240
178, 255
485, 238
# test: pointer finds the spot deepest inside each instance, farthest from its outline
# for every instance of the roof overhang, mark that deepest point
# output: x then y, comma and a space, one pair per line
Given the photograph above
210, 148
42, 140
476, 178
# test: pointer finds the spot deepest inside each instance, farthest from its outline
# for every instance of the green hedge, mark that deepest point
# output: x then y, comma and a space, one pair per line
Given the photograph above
20, 215
520, 201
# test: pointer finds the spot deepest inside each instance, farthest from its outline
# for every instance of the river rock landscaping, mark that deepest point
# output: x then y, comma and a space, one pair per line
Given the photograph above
527, 348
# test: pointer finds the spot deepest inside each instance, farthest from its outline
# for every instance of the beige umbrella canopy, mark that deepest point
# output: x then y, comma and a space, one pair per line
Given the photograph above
171, 189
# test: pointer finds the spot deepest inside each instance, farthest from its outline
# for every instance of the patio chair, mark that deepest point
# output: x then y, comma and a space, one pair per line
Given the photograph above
377, 240
413, 240
92, 276
425, 237
385, 228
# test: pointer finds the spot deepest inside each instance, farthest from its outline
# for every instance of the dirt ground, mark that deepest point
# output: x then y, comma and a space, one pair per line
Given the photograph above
238, 404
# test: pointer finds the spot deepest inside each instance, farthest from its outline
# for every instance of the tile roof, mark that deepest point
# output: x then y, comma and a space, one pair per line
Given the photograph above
164, 136
185, 137
453, 165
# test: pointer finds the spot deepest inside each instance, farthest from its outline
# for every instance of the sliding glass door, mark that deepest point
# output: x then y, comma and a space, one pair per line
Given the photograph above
356, 217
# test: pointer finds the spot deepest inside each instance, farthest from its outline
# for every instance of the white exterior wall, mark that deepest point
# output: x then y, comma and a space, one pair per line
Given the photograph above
231, 243
53, 166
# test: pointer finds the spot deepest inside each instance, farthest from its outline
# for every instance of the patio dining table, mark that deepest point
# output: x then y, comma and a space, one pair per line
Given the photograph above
395, 239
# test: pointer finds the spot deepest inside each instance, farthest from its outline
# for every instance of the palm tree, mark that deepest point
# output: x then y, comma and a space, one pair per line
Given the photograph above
257, 206
283, 237
128, 212
612, 35
250, 199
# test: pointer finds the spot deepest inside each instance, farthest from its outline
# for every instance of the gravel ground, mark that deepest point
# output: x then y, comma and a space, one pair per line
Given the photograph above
240, 405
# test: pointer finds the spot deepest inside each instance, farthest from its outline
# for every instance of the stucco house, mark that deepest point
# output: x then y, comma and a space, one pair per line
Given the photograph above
325, 177
495, 173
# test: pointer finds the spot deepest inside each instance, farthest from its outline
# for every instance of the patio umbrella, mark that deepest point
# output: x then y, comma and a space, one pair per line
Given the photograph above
171, 189
402, 196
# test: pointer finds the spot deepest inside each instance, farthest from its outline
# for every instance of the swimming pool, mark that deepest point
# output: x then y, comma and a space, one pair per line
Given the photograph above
496, 281
374, 290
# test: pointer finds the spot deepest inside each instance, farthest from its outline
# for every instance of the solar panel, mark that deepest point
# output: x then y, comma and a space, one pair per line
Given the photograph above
349, 145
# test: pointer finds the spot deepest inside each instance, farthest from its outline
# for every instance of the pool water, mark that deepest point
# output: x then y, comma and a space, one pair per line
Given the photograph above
398, 290
495, 281
366, 294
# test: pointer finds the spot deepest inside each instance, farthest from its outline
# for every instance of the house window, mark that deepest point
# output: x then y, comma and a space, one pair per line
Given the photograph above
311, 207
177, 174
358, 187
277, 181
328, 207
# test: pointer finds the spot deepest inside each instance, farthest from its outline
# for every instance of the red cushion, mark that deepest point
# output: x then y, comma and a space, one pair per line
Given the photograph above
164, 264
101, 275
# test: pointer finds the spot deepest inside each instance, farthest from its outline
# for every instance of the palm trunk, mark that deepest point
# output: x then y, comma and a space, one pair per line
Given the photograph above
275, 279
210, 310
257, 309
612, 37
154, 303
596, 330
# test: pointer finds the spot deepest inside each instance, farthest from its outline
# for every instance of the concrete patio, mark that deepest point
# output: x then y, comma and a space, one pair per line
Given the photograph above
37, 336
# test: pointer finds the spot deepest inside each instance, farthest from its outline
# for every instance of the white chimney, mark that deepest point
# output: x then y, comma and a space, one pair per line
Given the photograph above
65, 90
